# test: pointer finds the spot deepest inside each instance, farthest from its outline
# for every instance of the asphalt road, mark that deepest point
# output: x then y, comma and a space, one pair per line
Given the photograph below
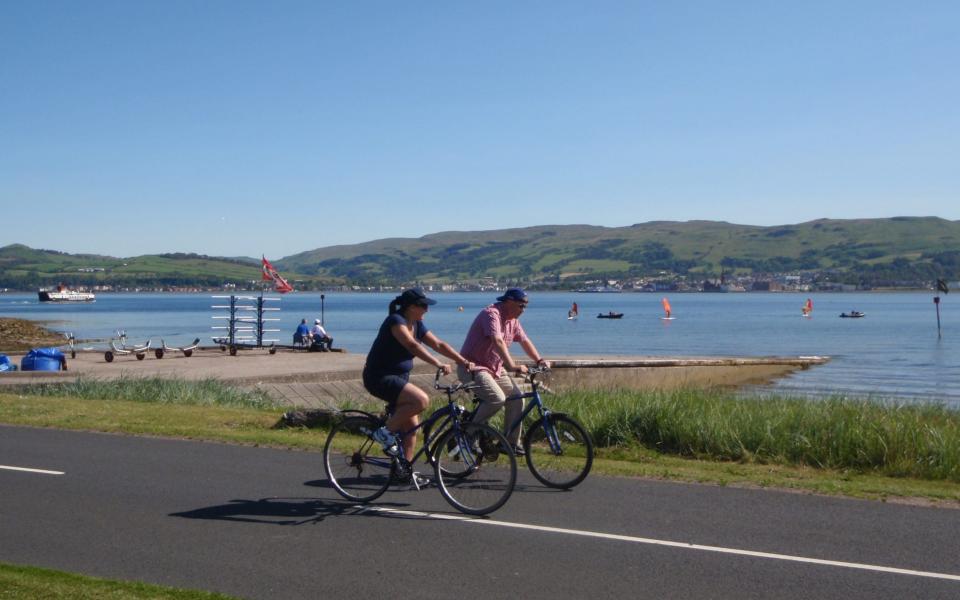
262, 523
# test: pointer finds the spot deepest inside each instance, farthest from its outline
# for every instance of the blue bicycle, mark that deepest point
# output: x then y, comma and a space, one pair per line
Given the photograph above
476, 471
558, 449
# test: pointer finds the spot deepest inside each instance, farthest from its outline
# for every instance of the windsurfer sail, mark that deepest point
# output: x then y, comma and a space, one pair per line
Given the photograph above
270, 274
807, 308
666, 308
573, 312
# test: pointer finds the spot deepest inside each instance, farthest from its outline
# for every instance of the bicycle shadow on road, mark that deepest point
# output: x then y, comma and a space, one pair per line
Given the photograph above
522, 487
277, 511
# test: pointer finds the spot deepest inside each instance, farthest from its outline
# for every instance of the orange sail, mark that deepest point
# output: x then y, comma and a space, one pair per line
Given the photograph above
666, 306
808, 307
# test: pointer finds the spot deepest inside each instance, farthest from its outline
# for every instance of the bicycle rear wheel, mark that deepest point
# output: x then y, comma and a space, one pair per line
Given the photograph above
559, 451
356, 465
477, 475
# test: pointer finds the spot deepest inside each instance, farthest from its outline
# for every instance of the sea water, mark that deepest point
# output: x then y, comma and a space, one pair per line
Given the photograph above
894, 351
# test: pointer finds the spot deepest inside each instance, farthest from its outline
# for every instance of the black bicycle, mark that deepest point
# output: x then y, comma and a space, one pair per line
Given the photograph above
559, 451
476, 471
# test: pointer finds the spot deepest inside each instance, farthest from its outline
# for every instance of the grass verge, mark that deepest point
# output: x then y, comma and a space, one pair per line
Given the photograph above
31, 583
153, 390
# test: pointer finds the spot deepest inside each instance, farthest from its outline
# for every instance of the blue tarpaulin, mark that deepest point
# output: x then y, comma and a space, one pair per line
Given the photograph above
44, 359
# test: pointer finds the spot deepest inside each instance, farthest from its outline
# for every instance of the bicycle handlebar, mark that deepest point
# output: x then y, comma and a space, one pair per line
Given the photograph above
532, 372
450, 389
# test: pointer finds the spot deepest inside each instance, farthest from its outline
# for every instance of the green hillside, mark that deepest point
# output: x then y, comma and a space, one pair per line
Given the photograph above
26, 268
899, 251
897, 248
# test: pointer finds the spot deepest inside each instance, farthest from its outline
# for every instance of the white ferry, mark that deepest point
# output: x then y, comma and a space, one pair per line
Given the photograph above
62, 294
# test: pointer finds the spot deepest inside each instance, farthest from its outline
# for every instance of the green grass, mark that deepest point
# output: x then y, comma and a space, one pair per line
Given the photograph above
886, 438
32, 583
206, 392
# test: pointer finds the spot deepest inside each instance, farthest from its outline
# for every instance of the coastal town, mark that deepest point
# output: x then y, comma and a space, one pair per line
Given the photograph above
775, 282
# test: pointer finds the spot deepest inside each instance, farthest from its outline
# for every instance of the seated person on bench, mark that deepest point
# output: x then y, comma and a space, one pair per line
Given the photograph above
321, 341
301, 337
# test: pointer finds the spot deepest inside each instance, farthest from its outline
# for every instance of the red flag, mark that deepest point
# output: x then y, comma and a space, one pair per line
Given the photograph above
270, 274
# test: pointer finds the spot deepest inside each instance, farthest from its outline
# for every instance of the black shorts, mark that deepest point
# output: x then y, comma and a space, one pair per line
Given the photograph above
386, 386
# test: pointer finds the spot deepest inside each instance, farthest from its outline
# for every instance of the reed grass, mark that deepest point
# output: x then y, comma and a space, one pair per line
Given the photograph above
864, 435
205, 392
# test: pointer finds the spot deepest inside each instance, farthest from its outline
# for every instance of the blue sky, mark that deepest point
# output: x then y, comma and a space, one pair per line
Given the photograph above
244, 128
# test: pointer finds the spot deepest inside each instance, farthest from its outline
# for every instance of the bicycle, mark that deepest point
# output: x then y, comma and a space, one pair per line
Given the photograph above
476, 474
559, 451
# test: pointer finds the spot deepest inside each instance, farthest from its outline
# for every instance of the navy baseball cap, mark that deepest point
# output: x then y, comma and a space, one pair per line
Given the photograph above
515, 294
415, 296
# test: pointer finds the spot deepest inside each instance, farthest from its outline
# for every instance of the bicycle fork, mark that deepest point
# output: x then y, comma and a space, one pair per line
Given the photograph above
552, 438
463, 449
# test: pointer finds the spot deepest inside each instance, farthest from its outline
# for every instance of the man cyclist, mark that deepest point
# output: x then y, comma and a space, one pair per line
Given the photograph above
488, 346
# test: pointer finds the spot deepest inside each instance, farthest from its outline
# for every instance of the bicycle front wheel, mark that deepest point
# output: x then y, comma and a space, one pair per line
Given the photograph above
356, 465
559, 451
475, 468
453, 466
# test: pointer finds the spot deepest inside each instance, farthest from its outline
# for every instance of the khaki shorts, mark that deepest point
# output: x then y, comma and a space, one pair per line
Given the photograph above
494, 393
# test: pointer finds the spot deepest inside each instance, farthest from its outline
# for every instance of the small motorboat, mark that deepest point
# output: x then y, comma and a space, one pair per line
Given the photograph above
853, 314
610, 315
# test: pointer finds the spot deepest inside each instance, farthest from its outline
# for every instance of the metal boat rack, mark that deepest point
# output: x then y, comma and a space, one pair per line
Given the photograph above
244, 328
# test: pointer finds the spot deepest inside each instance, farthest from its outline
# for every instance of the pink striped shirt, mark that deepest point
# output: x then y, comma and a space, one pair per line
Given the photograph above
479, 347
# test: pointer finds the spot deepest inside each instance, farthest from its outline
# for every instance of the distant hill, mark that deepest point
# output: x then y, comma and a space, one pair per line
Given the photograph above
900, 247
25, 268
871, 251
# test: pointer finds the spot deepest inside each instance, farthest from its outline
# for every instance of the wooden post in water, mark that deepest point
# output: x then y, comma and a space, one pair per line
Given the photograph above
941, 286
936, 302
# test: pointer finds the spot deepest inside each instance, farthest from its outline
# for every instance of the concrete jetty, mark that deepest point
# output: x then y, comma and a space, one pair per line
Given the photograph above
332, 379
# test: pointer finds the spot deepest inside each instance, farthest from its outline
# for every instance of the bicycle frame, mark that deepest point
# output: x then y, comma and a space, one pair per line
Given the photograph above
444, 416
543, 411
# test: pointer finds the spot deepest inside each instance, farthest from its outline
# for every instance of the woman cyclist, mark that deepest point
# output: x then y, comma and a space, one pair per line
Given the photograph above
386, 374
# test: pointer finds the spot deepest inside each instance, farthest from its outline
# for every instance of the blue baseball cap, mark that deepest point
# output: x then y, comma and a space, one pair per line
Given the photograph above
414, 296
515, 294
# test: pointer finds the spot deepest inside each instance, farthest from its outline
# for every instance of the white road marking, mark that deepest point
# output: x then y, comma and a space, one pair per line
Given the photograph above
42, 471
656, 542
